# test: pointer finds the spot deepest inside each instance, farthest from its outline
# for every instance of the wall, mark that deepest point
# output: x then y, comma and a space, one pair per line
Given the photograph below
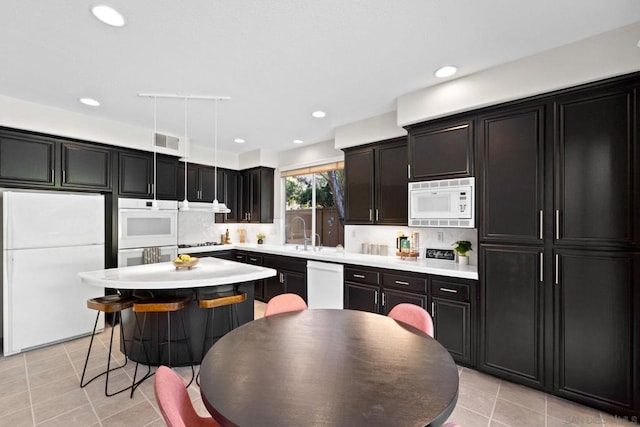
373, 129
606, 55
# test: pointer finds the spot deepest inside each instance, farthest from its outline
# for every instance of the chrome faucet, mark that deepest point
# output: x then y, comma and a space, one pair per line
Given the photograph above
304, 231
318, 243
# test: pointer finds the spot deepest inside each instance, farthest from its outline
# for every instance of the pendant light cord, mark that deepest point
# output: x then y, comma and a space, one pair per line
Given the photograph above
153, 144
215, 151
186, 139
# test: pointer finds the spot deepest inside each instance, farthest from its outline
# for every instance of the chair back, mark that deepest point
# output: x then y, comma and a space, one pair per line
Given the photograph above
284, 303
413, 315
173, 400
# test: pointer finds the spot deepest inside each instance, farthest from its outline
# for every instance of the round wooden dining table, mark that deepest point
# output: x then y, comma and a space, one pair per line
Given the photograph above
322, 367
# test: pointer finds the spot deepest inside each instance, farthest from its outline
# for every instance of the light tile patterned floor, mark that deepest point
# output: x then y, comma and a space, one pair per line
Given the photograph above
41, 387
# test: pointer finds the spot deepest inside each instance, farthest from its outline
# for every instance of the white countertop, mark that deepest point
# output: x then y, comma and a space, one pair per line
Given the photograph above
164, 275
429, 266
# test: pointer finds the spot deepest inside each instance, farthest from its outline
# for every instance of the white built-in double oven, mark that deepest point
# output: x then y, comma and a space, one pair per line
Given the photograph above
146, 233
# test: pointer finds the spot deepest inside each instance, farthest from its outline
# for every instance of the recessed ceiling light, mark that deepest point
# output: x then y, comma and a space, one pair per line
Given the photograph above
108, 15
446, 71
318, 114
89, 101
239, 141
298, 141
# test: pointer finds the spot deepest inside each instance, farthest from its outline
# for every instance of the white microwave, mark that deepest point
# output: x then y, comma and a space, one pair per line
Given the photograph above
442, 203
140, 225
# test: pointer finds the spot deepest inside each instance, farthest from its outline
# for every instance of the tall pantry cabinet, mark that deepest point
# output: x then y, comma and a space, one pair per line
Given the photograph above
559, 244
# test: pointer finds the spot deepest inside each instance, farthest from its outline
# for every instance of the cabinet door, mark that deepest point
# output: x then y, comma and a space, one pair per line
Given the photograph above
85, 166
206, 178
26, 159
391, 184
167, 178
441, 151
595, 323
392, 297
359, 186
595, 180
361, 297
228, 192
452, 324
193, 183
136, 171
511, 191
511, 313
296, 283
273, 286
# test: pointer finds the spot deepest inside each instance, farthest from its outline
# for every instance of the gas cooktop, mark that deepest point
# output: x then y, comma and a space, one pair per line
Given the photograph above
195, 245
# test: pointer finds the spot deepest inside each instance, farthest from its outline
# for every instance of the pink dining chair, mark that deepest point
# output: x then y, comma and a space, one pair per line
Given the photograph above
173, 400
284, 303
413, 315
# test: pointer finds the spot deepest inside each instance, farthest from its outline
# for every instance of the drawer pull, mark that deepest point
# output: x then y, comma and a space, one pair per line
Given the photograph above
400, 282
358, 276
453, 291
238, 256
253, 259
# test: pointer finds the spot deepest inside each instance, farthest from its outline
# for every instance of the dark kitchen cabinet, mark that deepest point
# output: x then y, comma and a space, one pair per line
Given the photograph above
167, 177
200, 182
228, 192
558, 250
453, 310
594, 357
257, 195
376, 184
596, 165
135, 173
512, 313
291, 277
27, 159
441, 150
511, 175
380, 291
85, 166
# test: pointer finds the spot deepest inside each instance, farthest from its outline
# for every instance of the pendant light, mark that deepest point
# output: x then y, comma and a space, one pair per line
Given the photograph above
185, 203
217, 206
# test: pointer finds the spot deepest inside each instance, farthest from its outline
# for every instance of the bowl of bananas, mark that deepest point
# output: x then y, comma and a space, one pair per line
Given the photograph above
185, 261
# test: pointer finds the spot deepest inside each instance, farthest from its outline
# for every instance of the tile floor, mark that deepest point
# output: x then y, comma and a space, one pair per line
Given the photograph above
40, 388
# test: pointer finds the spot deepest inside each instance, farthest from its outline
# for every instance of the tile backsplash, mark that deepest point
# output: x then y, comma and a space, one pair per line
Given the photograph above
197, 227
436, 238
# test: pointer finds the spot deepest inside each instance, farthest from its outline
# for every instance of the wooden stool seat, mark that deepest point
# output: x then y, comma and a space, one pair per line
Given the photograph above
223, 298
161, 304
111, 303
108, 304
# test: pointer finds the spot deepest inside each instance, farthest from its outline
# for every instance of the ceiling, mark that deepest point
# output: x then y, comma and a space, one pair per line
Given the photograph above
279, 60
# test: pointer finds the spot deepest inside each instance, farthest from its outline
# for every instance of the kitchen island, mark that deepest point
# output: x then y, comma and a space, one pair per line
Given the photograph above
209, 276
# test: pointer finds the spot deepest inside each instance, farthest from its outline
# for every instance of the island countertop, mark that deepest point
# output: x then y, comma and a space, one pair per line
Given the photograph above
164, 275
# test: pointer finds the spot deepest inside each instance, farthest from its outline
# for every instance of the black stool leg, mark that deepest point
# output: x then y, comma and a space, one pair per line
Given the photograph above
134, 385
106, 384
86, 361
188, 343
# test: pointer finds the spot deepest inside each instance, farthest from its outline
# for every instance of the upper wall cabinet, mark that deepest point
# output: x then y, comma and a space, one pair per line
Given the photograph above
200, 182
136, 175
441, 150
27, 159
86, 166
257, 194
30, 160
229, 194
376, 183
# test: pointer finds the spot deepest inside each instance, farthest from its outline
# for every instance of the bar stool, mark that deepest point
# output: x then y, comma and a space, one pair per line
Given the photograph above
212, 301
108, 304
158, 305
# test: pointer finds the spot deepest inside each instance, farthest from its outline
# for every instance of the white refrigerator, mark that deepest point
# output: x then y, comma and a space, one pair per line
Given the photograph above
47, 239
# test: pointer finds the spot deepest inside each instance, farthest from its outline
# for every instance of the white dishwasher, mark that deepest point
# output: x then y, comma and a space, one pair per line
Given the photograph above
324, 285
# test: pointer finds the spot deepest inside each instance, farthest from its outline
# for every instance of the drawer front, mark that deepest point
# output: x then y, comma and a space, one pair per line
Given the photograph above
240, 257
399, 281
361, 276
254, 259
450, 290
